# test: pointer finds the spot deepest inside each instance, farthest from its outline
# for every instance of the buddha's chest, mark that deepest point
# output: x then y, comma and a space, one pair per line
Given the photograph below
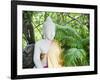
45, 47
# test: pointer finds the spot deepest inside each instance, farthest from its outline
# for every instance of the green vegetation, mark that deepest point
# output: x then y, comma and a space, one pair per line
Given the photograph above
72, 33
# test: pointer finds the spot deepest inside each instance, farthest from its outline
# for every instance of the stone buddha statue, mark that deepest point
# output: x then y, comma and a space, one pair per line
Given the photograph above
47, 50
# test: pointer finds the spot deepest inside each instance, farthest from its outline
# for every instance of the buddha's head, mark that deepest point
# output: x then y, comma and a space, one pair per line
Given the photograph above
49, 29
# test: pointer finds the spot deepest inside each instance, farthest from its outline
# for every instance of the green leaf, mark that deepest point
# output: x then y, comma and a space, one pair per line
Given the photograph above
75, 57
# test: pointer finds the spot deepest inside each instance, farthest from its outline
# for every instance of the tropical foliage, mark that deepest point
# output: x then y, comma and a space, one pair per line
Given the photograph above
72, 33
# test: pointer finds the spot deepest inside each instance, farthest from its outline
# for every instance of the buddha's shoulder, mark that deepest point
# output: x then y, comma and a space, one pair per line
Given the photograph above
40, 42
55, 42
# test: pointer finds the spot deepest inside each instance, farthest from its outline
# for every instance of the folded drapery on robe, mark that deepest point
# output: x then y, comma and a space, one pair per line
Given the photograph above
54, 56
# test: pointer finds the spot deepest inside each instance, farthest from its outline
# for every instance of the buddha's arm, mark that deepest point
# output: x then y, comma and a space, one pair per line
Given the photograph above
36, 58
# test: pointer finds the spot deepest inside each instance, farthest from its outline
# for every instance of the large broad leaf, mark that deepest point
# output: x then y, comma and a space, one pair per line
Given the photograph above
69, 37
75, 57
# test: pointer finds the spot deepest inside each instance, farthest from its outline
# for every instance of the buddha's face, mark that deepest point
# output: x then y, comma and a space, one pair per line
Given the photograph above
50, 34
49, 29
